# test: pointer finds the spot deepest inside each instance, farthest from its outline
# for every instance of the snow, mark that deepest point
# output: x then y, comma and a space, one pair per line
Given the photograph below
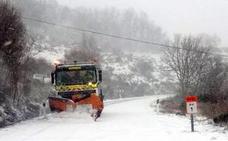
51, 54
124, 120
7, 43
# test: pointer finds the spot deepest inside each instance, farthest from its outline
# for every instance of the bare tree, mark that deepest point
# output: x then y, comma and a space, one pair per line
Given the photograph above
189, 60
12, 43
87, 51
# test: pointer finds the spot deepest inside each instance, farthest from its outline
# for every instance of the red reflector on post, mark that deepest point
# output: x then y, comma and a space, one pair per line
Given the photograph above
191, 98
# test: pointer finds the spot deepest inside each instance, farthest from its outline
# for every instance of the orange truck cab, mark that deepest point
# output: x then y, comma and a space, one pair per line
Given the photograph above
77, 85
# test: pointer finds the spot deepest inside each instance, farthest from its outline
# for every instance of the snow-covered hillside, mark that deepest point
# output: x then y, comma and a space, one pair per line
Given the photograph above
132, 73
130, 120
129, 64
50, 53
141, 71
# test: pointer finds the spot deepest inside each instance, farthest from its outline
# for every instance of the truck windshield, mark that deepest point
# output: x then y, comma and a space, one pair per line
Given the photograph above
74, 77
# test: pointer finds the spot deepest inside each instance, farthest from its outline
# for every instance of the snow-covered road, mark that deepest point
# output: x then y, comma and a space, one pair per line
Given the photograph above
132, 120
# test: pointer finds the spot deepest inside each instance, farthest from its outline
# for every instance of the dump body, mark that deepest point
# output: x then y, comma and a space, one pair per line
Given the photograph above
77, 84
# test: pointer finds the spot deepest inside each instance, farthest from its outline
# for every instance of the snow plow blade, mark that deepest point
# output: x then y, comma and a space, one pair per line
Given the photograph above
64, 104
61, 104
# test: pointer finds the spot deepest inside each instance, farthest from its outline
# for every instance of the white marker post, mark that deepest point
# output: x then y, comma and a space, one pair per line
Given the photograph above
191, 107
44, 110
157, 105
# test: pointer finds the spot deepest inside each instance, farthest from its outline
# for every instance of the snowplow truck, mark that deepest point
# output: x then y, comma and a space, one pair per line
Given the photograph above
77, 85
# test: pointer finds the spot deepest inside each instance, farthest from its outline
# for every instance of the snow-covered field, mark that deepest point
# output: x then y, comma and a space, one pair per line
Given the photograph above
133, 120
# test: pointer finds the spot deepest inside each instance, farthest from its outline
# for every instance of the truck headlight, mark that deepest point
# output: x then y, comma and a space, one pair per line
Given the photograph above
90, 84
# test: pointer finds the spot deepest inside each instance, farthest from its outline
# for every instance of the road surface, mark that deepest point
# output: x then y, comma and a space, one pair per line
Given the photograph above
134, 120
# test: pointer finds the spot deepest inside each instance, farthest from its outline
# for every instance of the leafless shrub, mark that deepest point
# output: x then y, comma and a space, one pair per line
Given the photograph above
12, 44
189, 60
87, 51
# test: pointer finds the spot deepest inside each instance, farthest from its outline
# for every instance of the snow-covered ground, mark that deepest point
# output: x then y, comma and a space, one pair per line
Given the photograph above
52, 54
133, 120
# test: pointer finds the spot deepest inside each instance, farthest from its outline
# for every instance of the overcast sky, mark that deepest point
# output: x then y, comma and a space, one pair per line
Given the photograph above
174, 16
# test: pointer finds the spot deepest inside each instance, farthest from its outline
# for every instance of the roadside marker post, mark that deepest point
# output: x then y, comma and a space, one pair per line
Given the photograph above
44, 114
157, 105
191, 108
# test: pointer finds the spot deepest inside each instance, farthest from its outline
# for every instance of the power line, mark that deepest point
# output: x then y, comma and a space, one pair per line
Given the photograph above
112, 35
96, 32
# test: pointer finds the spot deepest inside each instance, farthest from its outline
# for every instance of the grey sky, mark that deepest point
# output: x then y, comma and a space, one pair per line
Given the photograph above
174, 16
